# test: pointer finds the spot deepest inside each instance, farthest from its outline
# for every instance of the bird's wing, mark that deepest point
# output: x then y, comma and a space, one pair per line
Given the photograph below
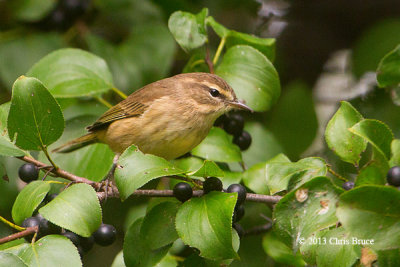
124, 109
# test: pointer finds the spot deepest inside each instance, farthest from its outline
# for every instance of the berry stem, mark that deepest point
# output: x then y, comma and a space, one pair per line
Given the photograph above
219, 50
336, 174
103, 101
16, 227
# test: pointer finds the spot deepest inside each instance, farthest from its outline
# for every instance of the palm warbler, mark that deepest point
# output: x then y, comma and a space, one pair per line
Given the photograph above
167, 118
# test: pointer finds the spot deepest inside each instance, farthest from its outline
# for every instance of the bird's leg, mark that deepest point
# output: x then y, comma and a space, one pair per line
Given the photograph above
110, 175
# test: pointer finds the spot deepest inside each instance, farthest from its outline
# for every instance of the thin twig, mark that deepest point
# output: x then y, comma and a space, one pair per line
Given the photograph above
208, 60
103, 101
219, 50
119, 92
26, 232
336, 174
259, 229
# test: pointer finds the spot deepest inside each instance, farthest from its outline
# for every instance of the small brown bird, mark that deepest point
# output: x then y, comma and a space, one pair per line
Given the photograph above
167, 118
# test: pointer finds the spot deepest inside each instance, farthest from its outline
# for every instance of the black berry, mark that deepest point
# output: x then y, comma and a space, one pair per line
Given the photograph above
348, 185
28, 172
86, 243
51, 197
31, 222
75, 239
238, 213
243, 141
46, 227
393, 176
234, 124
239, 229
221, 121
212, 184
105, 235
240, 190
183, 191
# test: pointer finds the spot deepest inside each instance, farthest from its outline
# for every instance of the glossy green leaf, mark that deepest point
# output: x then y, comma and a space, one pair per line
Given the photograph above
93, 161
74, 73
331, 247
305, 211
376, 133
340, 140
251, 75
255, 177
207, 169
28, 200
264, 144
136, 251
138, 169
218, 146
77, 209
35, 119
232, 38
281, 253
7, 148
395, 149
9, 259
189, 30
388, 72
13, 63
50, 251
370, 174
377, 205
205, 223
188, 164
158, 227
389, 258
31, 10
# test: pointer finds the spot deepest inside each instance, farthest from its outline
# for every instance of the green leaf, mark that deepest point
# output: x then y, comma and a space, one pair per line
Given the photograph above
251, 75
138, 169
255, 177
377, 205
84, 162
136, 251
395, 149
218, 146
52, 250
35, 119
371, 174
389, 258
388, 72
28, 200
376, 133
35, 46
77, 209
340, 140
205, 223
306, 210
189, 30
9, 259
73, 72
264, 144
293, 120
207, 169
9, 149
280, 252
31, 10
331, 247
232, 38
158, 227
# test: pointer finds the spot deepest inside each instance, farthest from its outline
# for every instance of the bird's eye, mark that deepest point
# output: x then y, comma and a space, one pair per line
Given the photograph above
214, 92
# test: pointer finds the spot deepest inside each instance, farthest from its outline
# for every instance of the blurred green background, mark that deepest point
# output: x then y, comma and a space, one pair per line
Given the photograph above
327, 51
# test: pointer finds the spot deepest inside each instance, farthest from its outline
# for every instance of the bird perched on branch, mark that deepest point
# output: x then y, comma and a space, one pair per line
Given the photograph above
167, 118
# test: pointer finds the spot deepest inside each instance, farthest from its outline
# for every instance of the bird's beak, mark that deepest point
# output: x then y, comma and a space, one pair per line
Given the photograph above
238, 105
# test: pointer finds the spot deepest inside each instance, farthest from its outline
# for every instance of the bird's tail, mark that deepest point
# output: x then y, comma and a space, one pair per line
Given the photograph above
77, 143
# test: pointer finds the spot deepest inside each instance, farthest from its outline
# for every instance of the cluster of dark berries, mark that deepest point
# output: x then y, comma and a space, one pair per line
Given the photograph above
393, 176
183, 192
28, 172
233, 124
64, 14
105, 235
